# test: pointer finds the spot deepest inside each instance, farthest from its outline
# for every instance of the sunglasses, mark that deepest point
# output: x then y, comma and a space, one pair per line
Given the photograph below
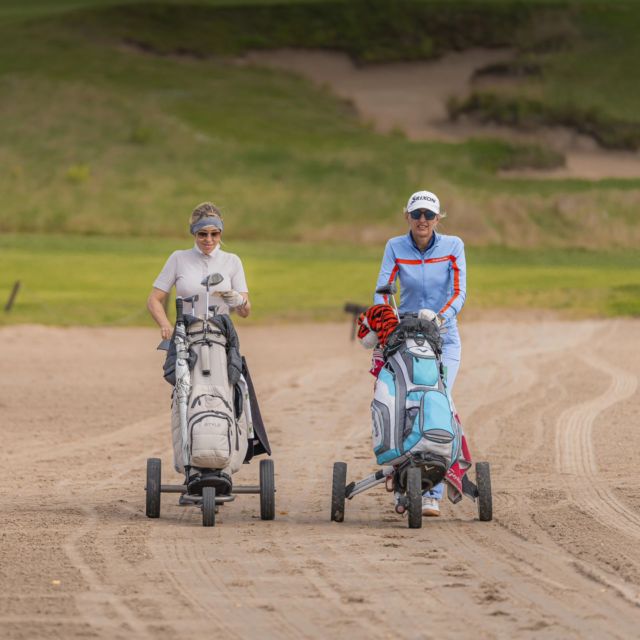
205, 234
416, 214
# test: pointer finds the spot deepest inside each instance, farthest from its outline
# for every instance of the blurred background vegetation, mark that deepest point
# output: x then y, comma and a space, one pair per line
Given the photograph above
116, 118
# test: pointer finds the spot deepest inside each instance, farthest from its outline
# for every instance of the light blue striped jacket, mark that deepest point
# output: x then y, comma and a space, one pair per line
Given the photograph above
434, 279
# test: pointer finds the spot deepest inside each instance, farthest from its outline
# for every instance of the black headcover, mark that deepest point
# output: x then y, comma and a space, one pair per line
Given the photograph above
416, 328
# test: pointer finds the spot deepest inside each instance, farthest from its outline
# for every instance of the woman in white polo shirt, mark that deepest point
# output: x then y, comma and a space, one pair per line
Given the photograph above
187, 268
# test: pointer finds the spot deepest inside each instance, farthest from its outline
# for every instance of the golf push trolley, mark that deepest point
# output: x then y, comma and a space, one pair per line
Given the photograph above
215, 492
411, 478
209, 489
416, 471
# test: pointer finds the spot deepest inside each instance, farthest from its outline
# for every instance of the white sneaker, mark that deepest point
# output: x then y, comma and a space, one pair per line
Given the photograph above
430, 507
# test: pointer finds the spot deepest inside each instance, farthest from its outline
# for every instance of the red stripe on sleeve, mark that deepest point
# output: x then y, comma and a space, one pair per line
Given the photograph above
456, 281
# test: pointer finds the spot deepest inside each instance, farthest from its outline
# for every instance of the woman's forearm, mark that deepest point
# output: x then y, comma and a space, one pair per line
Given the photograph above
156, 309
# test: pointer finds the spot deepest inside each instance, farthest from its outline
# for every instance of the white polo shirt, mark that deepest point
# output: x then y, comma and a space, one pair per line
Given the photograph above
187, 268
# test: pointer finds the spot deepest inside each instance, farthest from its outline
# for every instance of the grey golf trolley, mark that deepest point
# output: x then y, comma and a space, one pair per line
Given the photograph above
209, 501
417, 469
210, 489
412, 478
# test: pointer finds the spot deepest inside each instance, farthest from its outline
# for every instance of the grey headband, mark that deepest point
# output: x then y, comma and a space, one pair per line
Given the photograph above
206, 222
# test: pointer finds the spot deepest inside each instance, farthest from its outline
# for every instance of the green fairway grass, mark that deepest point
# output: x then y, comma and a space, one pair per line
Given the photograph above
105, 281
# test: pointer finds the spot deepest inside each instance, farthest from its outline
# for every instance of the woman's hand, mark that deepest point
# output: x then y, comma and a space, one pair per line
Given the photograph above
437, 318
232, 298
166, 331
238, 302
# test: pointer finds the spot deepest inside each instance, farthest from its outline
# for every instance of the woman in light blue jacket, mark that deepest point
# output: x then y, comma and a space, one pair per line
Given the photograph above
432, 272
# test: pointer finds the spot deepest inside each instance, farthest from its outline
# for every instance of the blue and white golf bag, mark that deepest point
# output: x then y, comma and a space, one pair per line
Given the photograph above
412, 413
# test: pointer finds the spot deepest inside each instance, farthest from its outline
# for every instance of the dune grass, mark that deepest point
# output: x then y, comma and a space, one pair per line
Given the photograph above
108, 145
105, 281
104, 139
584, 61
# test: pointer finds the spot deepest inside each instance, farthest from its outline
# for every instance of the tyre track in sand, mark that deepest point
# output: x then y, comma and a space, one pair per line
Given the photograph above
98, 605
354, 566
523, 393
258, 607
575, 456
100, 597
255, 608
551, 582
308, 555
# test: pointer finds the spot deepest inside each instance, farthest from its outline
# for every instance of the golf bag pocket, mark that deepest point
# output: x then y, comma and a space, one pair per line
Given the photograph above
383, 418
380, 431
212, 428
439, 433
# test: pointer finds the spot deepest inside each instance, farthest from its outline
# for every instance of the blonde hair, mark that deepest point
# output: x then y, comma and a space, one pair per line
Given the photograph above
205, 210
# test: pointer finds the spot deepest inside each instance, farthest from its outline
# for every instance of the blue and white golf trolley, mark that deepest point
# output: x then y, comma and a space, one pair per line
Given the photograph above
417, 438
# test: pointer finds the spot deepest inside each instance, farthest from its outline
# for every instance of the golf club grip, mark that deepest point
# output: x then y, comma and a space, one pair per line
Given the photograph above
179, 314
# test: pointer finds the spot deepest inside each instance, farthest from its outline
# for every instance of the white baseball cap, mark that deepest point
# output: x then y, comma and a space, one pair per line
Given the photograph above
424, 200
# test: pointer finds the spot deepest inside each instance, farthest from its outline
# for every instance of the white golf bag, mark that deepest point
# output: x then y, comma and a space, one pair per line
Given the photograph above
219, 422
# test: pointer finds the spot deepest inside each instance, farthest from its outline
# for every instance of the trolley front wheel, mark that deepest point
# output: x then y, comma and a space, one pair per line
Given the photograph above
414, 497
338, 491
485, 500
267, 490
154, 477
208, 506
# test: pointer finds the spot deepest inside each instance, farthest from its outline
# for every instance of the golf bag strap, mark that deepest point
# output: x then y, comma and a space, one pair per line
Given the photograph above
260, 444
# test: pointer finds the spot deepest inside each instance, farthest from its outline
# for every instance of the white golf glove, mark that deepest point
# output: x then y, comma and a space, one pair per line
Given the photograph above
427, 314
232, 298
432, 316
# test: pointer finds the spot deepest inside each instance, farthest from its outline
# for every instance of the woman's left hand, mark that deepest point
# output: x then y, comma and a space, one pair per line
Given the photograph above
232, 298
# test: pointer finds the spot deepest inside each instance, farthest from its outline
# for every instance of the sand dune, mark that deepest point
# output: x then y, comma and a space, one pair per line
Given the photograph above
412, 96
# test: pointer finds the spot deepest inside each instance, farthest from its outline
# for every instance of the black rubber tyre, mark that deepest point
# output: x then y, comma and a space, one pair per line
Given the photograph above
267, 490
485, 500
414, 495
208, 506
154, 478
338, 487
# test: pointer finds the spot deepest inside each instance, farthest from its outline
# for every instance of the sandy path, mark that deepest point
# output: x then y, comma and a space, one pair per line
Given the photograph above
411, 97
553, 406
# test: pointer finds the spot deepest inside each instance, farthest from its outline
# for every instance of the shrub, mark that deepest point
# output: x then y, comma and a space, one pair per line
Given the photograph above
525, 113
140, 135
78, 173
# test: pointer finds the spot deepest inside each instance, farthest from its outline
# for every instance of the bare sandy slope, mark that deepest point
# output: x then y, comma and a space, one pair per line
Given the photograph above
412, 97
553, 406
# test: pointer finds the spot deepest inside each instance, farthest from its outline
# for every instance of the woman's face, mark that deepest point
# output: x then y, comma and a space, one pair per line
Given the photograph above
208, 239
423, 228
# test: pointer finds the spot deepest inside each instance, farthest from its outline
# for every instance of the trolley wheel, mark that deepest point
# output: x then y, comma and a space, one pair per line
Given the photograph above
208, 506
338, 491
154, 476
485, 501
267, 490
414, 495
